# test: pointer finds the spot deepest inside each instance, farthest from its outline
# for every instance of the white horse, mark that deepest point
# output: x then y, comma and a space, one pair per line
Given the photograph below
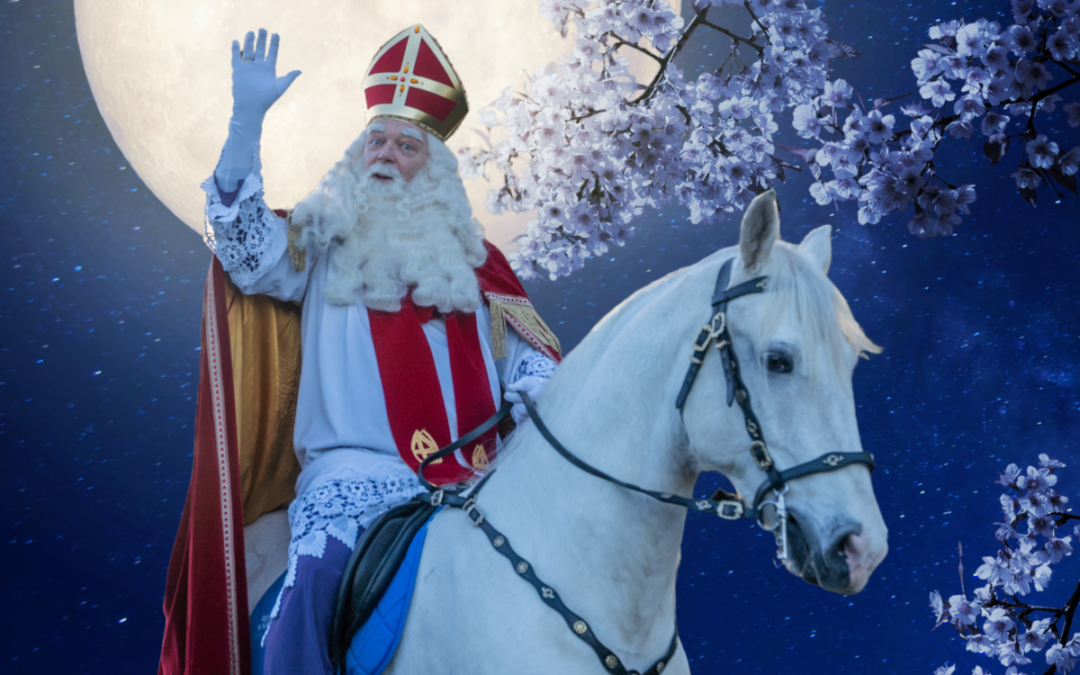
612, 554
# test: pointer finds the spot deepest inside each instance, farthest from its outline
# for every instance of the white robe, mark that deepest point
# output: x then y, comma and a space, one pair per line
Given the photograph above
342, 428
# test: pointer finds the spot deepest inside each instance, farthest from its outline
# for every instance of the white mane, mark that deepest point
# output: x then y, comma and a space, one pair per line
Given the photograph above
796, 288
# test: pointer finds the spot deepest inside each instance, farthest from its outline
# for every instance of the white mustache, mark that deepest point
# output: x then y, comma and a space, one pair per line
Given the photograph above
382, 170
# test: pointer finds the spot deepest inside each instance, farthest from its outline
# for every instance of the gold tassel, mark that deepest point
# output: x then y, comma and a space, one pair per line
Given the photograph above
498, 329
297, 255
524, 314
527, 316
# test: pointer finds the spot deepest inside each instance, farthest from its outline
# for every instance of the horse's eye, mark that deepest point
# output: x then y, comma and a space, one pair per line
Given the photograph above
779, 363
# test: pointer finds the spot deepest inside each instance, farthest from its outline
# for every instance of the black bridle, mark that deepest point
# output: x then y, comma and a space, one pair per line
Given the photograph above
770, 514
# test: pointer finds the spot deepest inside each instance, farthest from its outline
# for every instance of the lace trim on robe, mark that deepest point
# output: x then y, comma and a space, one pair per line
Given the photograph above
241, 235
340, 507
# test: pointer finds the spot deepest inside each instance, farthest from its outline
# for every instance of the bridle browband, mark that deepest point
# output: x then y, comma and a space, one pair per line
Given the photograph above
770, 514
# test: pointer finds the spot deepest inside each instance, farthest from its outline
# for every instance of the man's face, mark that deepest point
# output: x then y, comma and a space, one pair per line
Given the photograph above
397, 144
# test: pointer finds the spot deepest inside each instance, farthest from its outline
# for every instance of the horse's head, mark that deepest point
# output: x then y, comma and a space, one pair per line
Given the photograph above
796, 345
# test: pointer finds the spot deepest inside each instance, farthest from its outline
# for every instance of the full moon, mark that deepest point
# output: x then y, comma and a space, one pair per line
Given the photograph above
160, 74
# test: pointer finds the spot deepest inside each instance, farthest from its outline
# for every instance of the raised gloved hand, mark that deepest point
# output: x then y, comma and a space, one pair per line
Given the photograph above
531, 385
255, 87
255, 84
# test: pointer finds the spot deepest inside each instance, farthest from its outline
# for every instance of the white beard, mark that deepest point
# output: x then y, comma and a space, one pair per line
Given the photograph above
387, 238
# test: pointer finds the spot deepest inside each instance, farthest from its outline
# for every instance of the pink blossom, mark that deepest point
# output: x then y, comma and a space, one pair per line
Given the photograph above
938, 92
997, 624
1041, 153
878, 127
1035, 638
1020, 39
926, 65
963, 611
994, 123
1070, 161
1058, 655
1026, 178
1057, 549
1074, 113
1062, 45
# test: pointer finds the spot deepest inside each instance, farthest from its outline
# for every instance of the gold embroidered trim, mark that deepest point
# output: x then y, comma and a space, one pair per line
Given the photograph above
521, 312
297, 255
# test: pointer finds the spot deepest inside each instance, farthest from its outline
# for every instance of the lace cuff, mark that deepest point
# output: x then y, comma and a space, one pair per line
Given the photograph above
245, 235
534, 365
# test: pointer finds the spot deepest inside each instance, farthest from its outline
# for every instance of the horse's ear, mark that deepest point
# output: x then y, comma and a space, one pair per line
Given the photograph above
760, 229
818, 247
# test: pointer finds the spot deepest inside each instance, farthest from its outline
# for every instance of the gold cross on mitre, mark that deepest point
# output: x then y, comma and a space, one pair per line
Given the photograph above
411, 79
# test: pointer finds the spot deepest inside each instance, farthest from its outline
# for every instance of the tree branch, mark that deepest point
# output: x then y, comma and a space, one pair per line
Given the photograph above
1067, 69
1026, 607
1069, 609
737, 38
578, 118
646, 52
650, 90
945, 121
764, 32
1054, 90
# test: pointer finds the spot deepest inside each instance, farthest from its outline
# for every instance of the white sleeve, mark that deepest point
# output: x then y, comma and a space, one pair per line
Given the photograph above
251, 241
522, 360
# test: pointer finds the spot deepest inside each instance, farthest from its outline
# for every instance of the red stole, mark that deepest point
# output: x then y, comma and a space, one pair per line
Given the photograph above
414, 401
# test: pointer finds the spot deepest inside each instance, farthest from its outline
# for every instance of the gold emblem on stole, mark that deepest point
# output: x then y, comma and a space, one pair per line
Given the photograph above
423, 444
479, 458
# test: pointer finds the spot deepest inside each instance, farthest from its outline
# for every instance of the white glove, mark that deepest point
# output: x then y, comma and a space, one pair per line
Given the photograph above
532, 386
255, 87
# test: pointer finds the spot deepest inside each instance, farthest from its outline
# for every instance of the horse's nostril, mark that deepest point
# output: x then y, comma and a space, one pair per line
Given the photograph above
844, 550
841, 544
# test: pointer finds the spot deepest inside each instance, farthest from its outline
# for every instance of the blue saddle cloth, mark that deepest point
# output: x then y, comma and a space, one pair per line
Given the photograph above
374, 645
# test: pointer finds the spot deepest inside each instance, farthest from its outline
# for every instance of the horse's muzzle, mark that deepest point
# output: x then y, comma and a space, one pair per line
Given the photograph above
835, 560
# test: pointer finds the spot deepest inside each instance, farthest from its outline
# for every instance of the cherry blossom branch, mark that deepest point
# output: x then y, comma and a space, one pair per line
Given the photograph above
1071, 606
1034, 100
650, 90
764, 31
1069, 610
737, 38
1007, 632
590, 150
634, 45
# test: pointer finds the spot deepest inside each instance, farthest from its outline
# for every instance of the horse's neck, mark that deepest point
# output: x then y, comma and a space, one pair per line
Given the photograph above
611, 553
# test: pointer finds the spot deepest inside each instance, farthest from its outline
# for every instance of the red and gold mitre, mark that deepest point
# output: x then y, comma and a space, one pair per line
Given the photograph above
411, 79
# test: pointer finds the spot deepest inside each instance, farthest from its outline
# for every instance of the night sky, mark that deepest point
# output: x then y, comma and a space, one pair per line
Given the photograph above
101, 304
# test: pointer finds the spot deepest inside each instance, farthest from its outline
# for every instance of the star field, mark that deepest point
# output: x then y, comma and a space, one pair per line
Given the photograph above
100, 299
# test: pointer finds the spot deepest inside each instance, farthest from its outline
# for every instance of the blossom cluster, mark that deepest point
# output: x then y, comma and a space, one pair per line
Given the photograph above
975, 76
995, 621
589, 148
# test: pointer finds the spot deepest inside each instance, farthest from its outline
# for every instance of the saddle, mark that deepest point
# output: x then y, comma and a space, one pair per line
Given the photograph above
372, 567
